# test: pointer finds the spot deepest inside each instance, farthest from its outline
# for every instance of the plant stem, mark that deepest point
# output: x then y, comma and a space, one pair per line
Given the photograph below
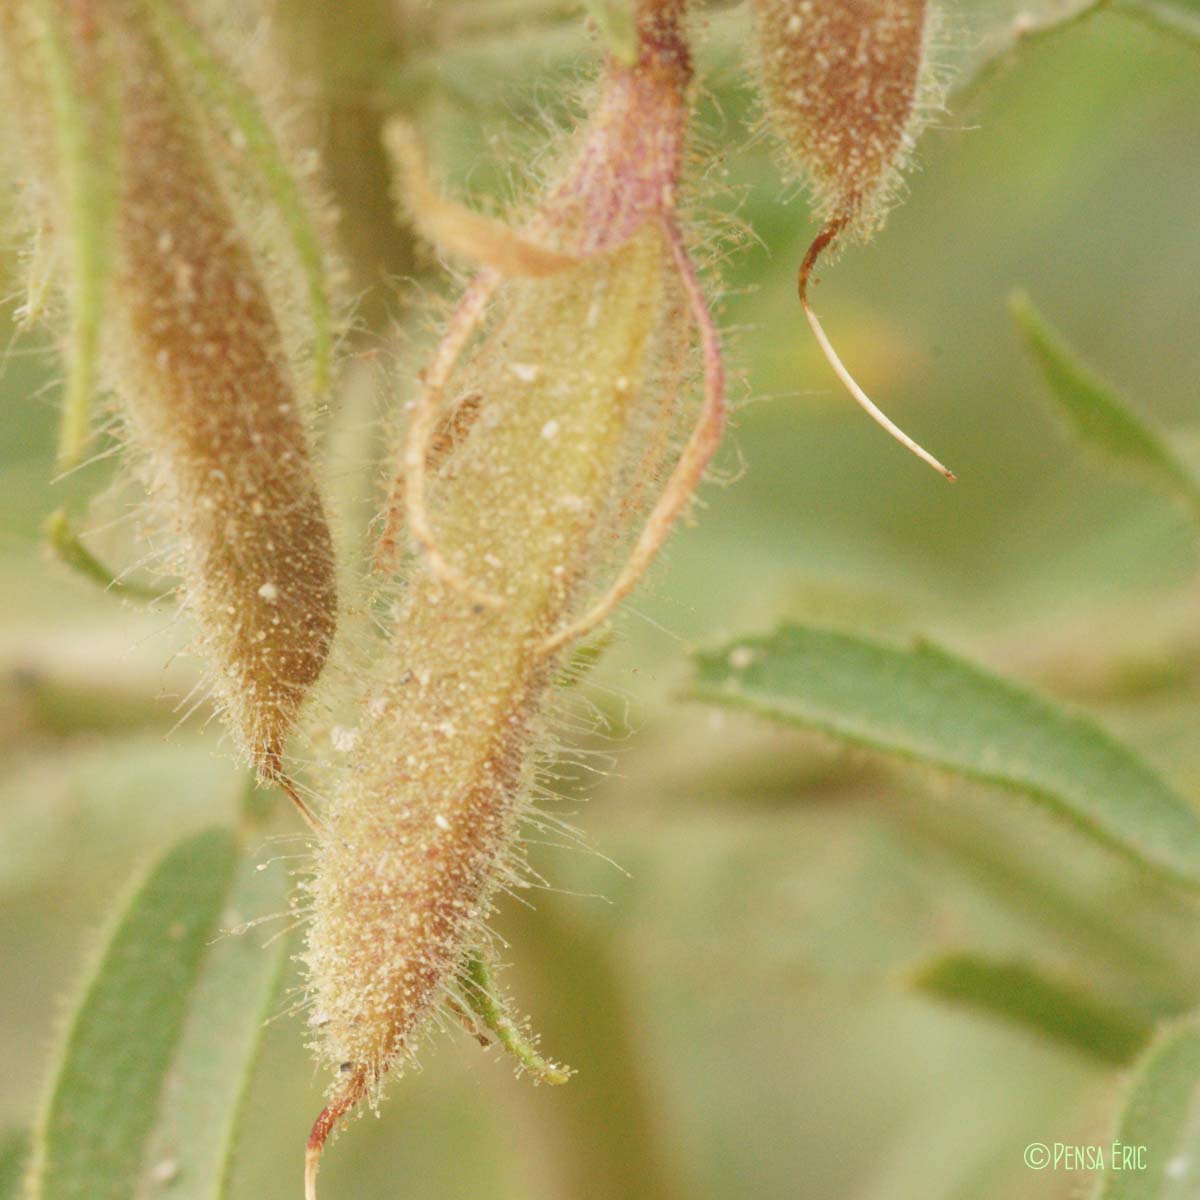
1022, 31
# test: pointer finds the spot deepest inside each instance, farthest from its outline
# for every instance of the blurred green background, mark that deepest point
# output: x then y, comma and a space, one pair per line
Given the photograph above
733, 997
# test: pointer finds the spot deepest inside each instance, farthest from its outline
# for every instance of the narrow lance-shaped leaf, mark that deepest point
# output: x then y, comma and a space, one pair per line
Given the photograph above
1176, 18
190, 1153
14, 1146
107, 1084
1022, 993
84, 135
925, 705
1160, 1123
1096, 415
1179, 19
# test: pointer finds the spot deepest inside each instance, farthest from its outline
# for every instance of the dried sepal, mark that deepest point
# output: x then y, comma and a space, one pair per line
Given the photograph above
822, 240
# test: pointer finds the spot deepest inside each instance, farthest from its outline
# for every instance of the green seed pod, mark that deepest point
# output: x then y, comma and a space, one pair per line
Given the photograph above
207, 395
436, 789
566, 375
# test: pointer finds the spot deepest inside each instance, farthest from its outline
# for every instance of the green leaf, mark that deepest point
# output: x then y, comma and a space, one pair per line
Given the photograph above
1022, 993
84, 134
192, 1147
1161, 1114
1023, 30
107, 1084
1176, 18
14, 1146
1101, 420
927, 706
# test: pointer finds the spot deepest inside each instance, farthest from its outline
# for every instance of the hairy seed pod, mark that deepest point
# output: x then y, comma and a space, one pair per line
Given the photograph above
415, 836
565, 374
196, 358
843, 83
211, 394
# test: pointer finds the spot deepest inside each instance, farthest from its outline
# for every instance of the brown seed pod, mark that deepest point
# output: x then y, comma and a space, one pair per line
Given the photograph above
196, 358
210, 394
562, 375
844, 85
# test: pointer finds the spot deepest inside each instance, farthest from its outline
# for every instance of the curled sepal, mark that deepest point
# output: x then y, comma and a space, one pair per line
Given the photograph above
66, 546
480, 991
458, 229
823, 240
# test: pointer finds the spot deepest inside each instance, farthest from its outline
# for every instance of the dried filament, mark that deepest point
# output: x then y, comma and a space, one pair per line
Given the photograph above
844, 84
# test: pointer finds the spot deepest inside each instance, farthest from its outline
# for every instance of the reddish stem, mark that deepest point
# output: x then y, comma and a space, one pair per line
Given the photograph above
353, 1091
